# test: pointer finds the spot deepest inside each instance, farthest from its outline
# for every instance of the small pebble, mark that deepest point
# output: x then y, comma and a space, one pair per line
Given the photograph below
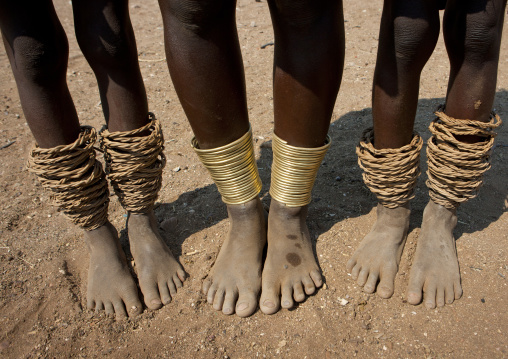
176, 169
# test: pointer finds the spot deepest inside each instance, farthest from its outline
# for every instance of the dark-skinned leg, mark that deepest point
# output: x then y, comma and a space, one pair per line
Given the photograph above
309, 58
205, 64
472, 32
105, 35
408, 35
38, 50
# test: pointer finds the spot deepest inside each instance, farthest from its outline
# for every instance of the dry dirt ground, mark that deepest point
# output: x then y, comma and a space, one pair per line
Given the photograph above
43, 260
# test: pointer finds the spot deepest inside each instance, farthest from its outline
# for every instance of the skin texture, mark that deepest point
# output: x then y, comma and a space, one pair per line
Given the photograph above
408, 34
211, 89
38, 52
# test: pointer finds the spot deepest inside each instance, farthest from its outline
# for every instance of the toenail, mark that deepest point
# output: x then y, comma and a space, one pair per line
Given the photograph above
242, 306
286, 303
134, 307
268, 304
156, 301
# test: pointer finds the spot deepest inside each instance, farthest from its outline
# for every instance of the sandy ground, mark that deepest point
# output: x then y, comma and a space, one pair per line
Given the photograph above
43, 260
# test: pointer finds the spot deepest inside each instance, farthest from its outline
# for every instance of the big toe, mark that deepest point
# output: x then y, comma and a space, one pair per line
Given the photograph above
151, 296
246, 304
269, 303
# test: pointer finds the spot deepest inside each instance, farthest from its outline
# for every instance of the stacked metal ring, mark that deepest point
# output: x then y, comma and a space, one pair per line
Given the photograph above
233, 169
294, 171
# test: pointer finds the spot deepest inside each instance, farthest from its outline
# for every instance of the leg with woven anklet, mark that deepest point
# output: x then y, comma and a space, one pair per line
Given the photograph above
388, 171
134, 164
391, 174
472, 31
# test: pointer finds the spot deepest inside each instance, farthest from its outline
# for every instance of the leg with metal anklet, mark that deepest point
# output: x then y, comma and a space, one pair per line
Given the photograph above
291, 271
235, 280
134, 164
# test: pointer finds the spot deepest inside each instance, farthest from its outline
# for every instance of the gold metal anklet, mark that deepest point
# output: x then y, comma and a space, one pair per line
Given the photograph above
294, 171
233, 169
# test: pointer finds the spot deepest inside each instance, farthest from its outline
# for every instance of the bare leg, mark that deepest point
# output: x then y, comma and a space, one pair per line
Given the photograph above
211, 89
37, 48
472, 31
408, 35
109, 45
307, 74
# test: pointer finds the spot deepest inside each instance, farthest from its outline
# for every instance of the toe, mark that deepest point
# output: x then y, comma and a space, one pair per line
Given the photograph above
132, 303
181, 274
177, 281
108, 306
230, 298
430, 296
164, 292
440, 297
370, 285
90, 303
355, 271
316, 277
269, 302
152, 296
449, 294
362, 277
287, 296
350, 264
457, 289
172, 288
207, 283
309, 286
211, 293
219, 299
246, 304
119, 309
298, 293
99, 306
414, 291
387, 278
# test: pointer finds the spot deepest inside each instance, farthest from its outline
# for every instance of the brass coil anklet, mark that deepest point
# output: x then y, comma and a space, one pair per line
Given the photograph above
75, 179
455, 168
294, 171
134, 164
390, 173
233, 169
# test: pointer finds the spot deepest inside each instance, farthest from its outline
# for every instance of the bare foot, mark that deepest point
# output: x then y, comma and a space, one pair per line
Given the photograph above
378, 257
435, 269
110, 285
235, 279
290, 269
159, 273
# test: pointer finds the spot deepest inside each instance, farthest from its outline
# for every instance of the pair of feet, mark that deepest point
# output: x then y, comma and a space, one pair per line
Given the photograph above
289, 273
434, 276
110, 284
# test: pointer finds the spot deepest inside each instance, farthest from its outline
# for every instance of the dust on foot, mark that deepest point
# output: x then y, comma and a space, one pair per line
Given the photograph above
235, 280
159, 273
290, 271
378, 256
435, 269
110, 284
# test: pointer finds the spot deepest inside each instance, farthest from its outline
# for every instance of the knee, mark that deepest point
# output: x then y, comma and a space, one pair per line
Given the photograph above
475, 37
199, 16
414, 40
303, 13
106, 45
40, 61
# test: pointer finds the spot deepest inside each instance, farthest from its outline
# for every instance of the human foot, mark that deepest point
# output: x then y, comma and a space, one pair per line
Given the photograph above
159, 273
435, 269
110, 285
378, 256
235, 279
290, 269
